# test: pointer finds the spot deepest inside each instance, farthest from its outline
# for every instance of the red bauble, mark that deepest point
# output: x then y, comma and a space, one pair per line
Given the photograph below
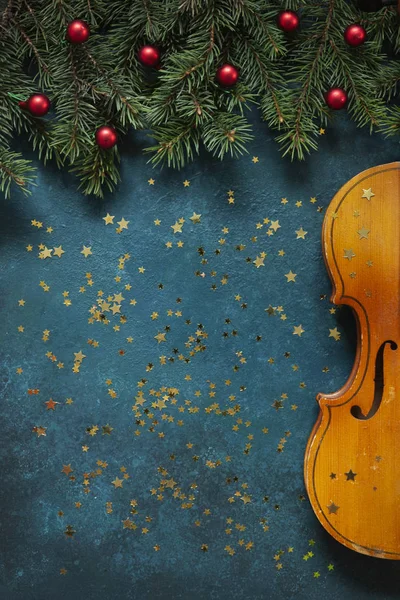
78, 31
288, 20
355, 35
149, 56
106, 137
37, 104
336, 98
227, 75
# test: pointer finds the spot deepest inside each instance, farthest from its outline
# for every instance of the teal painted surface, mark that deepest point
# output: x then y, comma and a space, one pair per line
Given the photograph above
104, 560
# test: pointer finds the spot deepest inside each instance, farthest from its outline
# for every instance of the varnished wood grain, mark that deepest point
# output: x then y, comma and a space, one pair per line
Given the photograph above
352, 465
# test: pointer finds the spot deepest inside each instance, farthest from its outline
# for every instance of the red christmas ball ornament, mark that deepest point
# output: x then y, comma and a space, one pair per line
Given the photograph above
78, 31
227, 75
149, 56
106, 137
336, 98
37, 104
288, 20
355, 35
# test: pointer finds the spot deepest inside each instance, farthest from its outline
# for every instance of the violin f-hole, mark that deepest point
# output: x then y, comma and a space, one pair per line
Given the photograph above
379, 384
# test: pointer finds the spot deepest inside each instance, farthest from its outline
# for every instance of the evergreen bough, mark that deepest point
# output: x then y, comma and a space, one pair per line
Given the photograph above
102, 82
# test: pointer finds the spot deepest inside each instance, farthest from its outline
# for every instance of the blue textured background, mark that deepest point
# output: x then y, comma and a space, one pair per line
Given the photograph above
103, 560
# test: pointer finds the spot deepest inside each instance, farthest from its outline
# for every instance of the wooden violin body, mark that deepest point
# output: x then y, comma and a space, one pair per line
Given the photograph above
352, 460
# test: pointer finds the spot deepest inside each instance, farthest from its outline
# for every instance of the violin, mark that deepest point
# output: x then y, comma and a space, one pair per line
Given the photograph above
352, 459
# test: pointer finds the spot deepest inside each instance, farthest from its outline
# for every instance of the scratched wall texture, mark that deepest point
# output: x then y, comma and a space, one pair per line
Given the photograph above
155, 407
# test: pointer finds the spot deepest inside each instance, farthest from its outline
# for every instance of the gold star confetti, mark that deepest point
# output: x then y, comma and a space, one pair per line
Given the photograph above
290, 276
274, 225
301, 234
177, 227
368, 194
335, 334
108, 219
195, 218
259, 261
349, 254
298, 330
160, 337
150, 376
117, 483
363, 233
123, 224
86, 251
58, 251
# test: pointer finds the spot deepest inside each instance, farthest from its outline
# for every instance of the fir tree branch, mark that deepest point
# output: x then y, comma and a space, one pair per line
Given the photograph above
301, 129
14, 170
102, 81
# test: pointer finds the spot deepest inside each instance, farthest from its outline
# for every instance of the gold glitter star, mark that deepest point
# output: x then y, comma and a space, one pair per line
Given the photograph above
368, 194
151, 181
301, 233
291, 276
363, 233
284, 201
195, 218
274, 225
160, 337
321, 131
298, 330
335, 334
117, 483
259, 262
46, 253
109, 219
177, 228
58, 251
123, 224
86, 251
349, 254
186, 183
255, 159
